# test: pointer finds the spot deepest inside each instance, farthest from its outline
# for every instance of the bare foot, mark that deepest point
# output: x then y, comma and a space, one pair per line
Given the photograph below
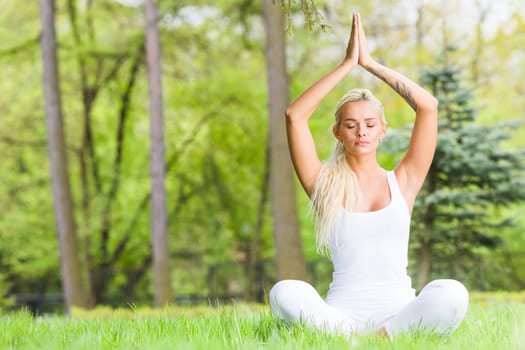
382, 332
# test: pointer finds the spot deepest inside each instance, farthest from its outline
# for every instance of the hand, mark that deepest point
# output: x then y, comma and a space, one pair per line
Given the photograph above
352, 50
364, 55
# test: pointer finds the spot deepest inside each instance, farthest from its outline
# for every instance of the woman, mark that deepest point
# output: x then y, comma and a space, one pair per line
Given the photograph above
363, 211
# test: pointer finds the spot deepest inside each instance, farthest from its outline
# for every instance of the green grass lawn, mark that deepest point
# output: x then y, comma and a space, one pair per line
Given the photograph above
491, 323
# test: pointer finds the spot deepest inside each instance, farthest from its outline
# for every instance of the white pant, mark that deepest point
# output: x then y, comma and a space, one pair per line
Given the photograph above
440, 307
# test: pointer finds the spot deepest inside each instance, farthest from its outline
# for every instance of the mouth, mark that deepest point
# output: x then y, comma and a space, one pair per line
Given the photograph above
362, 143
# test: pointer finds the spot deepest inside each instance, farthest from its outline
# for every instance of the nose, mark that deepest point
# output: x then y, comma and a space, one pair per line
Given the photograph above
361, 131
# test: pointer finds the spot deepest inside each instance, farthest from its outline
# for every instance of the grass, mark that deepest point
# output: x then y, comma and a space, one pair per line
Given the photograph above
491, 323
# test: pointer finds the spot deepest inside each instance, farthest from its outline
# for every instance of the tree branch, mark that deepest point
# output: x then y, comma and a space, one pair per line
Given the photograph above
115, 184
25, 45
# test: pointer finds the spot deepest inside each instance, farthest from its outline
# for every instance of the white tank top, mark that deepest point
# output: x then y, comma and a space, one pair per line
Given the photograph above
370, 256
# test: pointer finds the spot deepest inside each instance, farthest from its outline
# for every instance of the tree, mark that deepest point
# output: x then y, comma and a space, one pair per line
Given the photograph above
470, 175
159, 224
73, 286
290, 258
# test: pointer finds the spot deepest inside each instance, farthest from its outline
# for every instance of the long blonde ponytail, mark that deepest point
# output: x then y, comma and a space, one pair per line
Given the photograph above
336, 188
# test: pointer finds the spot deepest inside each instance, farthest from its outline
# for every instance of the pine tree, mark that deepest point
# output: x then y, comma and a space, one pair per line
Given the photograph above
470, 176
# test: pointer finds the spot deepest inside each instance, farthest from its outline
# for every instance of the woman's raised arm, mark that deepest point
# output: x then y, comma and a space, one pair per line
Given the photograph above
414, 166
300, 141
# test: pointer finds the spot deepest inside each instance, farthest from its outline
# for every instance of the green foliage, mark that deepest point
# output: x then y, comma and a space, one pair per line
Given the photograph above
6, 300
215, 137
312, 17
471, 174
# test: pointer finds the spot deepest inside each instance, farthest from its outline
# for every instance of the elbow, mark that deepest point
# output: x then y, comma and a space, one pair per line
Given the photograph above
433, 104
289, 113
296, 114
430, 106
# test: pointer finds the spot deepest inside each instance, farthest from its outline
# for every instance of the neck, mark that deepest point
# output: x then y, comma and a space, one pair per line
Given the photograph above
364, 166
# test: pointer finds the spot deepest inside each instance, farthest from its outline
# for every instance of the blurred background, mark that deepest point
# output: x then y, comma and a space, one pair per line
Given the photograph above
236, 219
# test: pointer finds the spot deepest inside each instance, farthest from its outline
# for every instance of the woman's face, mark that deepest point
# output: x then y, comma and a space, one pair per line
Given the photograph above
360, 127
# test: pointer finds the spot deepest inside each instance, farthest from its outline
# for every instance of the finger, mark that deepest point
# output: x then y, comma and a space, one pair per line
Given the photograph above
356, 26
355, 33
354, 23
360, 26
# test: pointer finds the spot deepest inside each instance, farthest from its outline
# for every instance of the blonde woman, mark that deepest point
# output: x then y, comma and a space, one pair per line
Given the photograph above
363, 211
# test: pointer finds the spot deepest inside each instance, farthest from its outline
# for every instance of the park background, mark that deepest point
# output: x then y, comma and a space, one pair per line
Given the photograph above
230, 209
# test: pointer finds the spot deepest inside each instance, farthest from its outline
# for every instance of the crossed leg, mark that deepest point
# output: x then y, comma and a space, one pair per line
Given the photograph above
440, 307
298, 301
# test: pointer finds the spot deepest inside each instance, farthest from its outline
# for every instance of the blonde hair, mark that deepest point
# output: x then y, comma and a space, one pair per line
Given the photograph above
337, 185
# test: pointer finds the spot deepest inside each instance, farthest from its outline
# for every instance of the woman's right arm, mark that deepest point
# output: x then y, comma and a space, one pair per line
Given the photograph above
300, 141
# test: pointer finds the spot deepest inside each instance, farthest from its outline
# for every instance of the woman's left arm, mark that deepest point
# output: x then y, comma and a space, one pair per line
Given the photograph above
414, 166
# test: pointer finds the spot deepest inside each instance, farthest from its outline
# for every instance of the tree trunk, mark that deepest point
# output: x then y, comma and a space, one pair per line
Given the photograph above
290, 258
420, 32
477, 57
72, 282
159, 221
